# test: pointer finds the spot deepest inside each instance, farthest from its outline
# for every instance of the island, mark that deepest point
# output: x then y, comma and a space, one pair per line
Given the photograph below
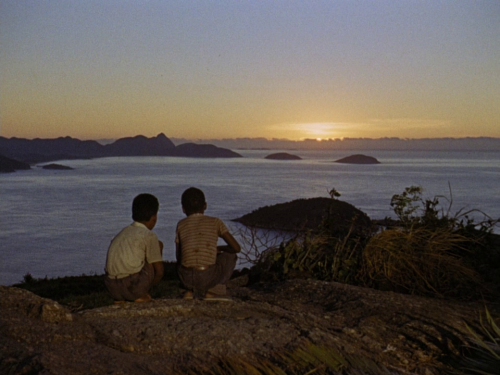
56, 167
283, 156
358, 159
305, 214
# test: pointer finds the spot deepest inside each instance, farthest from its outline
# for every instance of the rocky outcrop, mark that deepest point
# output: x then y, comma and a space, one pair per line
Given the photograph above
401, 333
8, 165
358, 159
283, 156
303, 214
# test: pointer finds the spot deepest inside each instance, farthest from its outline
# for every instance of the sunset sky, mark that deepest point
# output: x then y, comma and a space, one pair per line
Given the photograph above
94, 69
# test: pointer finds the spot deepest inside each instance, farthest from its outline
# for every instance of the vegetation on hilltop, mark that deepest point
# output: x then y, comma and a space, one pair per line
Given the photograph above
426, 251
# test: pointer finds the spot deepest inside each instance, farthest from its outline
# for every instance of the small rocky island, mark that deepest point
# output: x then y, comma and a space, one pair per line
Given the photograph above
304, 214
358, 159
58, 167
283, 156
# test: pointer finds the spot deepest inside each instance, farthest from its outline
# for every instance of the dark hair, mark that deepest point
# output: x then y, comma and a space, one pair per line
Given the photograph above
144, 207
193, 200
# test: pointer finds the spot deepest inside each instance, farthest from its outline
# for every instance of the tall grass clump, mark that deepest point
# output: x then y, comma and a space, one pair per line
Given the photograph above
484, 356
419, 260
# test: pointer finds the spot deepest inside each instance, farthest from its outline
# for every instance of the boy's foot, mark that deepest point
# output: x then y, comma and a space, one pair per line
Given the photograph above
146, 298
214, 297
188, 295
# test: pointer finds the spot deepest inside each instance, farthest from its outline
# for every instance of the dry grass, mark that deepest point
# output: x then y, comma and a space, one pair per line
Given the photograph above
421, 261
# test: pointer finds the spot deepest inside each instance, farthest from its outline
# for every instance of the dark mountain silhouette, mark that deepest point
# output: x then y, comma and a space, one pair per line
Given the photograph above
36, 150
45, 150
204, 151
8, 165
141, 146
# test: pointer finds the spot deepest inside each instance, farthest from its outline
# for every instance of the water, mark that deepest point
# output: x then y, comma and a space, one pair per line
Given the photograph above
60, 223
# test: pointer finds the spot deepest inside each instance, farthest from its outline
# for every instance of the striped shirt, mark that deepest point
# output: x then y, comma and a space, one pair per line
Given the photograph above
197, 236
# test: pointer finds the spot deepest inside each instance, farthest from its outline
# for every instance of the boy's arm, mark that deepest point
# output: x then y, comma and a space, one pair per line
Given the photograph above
178, 252
158, 267
232, 245
161, 248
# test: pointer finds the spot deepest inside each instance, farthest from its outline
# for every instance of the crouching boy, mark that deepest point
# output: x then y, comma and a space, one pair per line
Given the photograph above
134, 260
203, 267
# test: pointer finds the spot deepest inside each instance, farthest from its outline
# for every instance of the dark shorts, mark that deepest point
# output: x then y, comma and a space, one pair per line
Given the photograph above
131, 287
218, 273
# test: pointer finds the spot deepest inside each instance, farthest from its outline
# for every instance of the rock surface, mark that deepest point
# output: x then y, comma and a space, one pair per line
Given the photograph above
402, 333
283, 156
358, 159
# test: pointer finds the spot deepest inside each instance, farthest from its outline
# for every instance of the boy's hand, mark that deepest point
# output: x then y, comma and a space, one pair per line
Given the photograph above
232, 245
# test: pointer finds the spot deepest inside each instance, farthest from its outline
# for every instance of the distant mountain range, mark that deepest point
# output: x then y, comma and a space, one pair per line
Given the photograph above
38, 150
358, 144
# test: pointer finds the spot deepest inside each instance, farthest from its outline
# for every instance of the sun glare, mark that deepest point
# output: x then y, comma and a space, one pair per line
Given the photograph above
317, 130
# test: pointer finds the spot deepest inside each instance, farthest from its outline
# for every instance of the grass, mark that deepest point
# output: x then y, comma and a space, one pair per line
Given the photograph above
484, 357
421, 260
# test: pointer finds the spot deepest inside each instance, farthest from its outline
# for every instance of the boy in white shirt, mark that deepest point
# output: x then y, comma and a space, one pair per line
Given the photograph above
134, 260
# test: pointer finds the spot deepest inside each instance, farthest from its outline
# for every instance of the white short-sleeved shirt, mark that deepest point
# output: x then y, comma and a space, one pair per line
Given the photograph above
131, 249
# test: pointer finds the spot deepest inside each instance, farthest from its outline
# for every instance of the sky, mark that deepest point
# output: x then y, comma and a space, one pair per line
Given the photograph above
292, 69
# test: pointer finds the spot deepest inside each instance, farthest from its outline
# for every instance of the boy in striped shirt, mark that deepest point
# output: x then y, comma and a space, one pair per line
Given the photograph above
203, 267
